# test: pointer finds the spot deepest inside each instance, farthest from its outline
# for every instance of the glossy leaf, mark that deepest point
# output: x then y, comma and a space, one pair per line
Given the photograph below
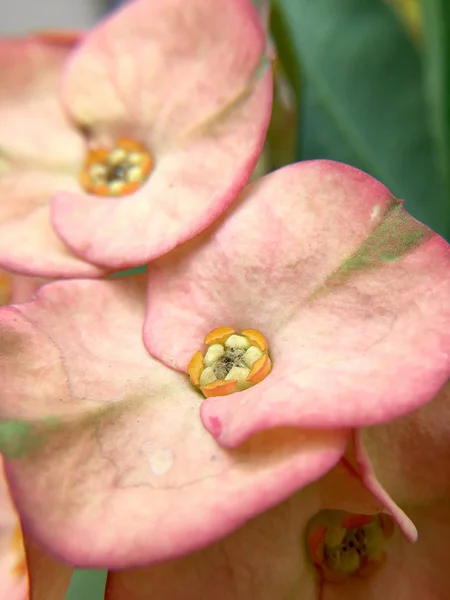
365, 77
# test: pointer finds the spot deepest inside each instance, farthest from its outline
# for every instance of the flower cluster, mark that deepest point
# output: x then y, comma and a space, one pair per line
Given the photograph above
263, 412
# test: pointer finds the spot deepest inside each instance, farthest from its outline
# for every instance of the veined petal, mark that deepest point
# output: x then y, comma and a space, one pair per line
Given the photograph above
34, 127
28, 244
111, 443
197, 92
350, 292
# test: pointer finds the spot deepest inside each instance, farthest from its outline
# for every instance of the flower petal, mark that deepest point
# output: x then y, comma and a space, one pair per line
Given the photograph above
264, 559
200, 99
110, 465
13, 570
410, 456
28, 244
350, 292
30, 71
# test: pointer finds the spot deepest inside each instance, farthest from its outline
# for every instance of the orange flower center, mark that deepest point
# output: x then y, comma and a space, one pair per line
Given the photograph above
343, 545
231, 363
116, 171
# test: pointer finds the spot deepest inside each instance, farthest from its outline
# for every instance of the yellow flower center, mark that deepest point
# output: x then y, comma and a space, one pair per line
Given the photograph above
342, 545
231, 363
116, 171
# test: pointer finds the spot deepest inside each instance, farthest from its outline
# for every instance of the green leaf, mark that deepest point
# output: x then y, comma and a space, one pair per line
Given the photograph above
436, 41
87, 584
364, 76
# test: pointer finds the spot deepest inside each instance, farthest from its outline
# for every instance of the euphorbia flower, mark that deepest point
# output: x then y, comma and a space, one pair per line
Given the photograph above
319, 261
350, 292
116, 468
159, 122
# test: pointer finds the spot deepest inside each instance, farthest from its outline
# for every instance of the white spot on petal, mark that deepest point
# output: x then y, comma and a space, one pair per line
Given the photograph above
375, 212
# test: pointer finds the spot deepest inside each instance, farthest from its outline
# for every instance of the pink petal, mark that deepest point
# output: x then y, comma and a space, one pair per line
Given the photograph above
412, 570
28, 244
194, 94
264, 559
342, 282
34, 127
13, 571
410, 456
116, 469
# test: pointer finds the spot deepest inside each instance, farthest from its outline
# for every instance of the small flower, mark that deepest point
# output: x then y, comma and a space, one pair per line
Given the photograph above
232, 362
118, 145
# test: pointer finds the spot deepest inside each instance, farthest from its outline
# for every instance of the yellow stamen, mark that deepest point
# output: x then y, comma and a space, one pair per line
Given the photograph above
231, 362
116, 171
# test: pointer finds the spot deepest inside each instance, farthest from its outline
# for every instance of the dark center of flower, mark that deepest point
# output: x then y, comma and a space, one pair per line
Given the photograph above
116, 171
232, 357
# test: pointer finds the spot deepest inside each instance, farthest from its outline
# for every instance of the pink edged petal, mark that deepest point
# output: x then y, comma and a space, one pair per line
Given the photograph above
13, 569
411, 571
194, 181
28, 244
49, 577
411, 455
111, 465
30, 71
341, 281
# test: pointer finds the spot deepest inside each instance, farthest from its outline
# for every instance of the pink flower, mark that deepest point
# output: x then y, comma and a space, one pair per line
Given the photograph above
158, 124
321, 276
17, 288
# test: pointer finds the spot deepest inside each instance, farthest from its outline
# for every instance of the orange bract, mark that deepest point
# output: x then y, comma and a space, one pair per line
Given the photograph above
219, 335
219, 388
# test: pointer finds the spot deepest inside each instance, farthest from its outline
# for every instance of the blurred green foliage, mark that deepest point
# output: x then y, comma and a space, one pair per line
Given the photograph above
372, 97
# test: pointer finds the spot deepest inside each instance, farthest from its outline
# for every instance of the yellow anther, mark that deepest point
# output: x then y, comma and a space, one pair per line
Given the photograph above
256, 338
116, 171
231, 362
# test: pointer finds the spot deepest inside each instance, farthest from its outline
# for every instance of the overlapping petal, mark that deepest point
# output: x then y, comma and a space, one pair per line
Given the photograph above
191, 82
34, 127
109, 463
264, 559
350, 292
28, 243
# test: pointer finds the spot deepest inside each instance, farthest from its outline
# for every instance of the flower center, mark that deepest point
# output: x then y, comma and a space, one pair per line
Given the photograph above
116, 171
231, 363
343, 545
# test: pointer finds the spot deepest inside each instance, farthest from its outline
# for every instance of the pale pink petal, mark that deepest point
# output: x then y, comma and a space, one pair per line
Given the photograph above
342, 282
264, 560
116, 468
411, 571
28, 244
13, 570
410, 456
49, 577
34, 127
194, 85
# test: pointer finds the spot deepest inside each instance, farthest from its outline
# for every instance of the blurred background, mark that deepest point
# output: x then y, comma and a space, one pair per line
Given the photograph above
366, 82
